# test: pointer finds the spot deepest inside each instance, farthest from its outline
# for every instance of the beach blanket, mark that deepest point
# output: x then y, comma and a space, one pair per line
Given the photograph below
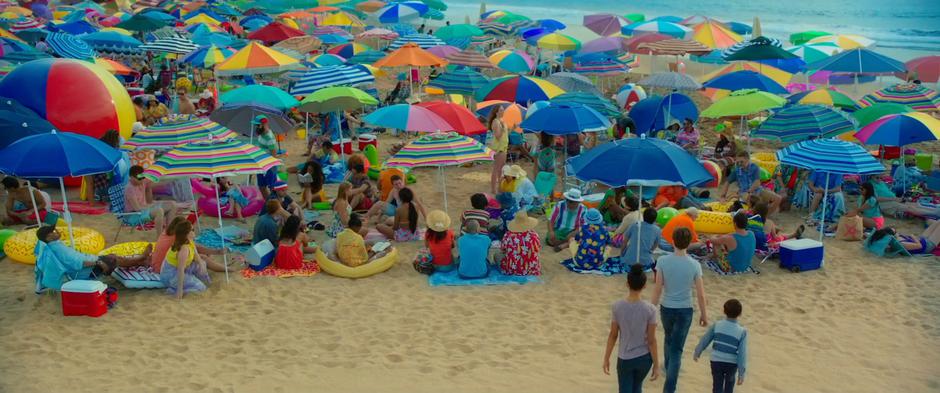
80, 207
451, 278
211, 239
610, 267
308, 269
137, 277
712, 265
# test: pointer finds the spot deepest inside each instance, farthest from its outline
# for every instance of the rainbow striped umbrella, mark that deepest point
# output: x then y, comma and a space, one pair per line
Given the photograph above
826, 97
800, 122
169, 135
512, 61
407, 118
519, 89
715, 35
900, 129
212, 158
256, 59
558, 42
915, 96
207, 56
348, 50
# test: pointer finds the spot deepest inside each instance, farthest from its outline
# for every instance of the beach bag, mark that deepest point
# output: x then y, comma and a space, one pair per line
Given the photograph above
422, 262
850, 228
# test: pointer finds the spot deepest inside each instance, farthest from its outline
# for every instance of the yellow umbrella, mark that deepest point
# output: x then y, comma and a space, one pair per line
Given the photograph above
118, 30
290, 22
202, 18
19, 11
715, 35
342, 19
844, 41
558, 41
6, 34
373, 70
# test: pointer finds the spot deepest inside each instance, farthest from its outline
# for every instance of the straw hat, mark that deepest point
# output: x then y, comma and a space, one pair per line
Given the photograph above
438, 221
522, 222
574, 195
514, 171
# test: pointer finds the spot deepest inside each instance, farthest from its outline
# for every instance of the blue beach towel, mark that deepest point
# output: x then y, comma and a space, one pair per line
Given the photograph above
439, 279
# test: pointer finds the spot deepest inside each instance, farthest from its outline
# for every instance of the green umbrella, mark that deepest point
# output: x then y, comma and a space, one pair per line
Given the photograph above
633, 18
744, 102
260, 95
458, 31
510, 18
335, 99
142, 22
869, 114
435, 4
804, 36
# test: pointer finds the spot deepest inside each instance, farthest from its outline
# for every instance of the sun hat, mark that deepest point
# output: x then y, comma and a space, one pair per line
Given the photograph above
514, 171
573, 195
593, 216
522, 222
438, 221
279, 186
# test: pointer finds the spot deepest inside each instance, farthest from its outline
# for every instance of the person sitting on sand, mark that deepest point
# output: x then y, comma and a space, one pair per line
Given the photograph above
473, 251
292, 245
81, 266
821, 184
267, 227
351, 248
362, 191
766, 232
232, 196
632, 208
592, 240
389, 206
890, 204
288, 205
404, 226
747, 175
727, 145
341, 211
868, 208
439, 242
138, 198
518, 148
311, 179
566, 217
19, 206
641, 240
520, 247
545, 158
735, 250
515, 180
633, 322
612, 205
922, 244
162, 246
184, 270
477, 213
688, 137
186, 106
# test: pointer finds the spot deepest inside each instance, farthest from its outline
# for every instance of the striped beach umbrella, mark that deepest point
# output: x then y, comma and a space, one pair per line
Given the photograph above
470, 58
178, 45
811, 53
112, 41
598, 64
380, 33
348, 50
512, 61
402, 29
256, 59
826, 97
593, 101
495, 28
207, 56
339, 75
26, 24
675, 47
407, 11
670, 80
305, 44
657, 27
918, 97
462, 80
519, 89
443, 50
367, 57
169, 135
407, 117
211, 158
900, 130
423, 41
714, 35
801, 122
70, 46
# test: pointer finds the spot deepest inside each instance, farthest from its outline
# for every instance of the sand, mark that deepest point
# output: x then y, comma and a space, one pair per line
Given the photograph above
859, 325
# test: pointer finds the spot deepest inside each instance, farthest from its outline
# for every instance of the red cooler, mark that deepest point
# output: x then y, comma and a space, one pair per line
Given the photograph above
346, 146
366, 140
84, 297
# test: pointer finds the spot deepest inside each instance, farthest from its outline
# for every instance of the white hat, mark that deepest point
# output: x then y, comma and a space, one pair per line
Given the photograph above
574, 195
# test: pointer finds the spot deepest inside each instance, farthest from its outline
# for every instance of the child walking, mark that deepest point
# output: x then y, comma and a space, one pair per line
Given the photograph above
634, 322
729, 351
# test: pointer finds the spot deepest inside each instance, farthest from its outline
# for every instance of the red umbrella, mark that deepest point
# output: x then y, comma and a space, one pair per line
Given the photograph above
927, 68
459, 117
274, 32
633, 44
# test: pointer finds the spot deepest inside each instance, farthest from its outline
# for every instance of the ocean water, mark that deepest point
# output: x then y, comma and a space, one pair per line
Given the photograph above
903, 29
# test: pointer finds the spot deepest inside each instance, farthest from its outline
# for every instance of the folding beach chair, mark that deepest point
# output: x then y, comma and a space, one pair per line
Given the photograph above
116, 207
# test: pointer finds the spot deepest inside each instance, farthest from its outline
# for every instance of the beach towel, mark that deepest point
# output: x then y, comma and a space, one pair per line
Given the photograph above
611, 266
451, 278
81, 207
138, 277
713, 265
308, 269
211, 239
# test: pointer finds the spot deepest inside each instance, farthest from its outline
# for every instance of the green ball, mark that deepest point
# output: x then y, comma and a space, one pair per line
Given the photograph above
665, 214
282, 176
4, 235
764, 175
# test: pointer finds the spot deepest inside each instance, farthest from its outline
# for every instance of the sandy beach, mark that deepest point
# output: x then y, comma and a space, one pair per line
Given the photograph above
861, 324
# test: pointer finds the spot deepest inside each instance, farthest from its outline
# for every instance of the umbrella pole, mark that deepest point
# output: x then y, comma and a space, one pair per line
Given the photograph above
822, 220
218, 205
195, 206
339, 130
65, 206
444, 186
639, 228
307, 126
32, 197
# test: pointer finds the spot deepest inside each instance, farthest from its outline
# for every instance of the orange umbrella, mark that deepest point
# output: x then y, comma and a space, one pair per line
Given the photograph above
297, 15
512, 114
410, 55
113, 66
323, 8
370, 5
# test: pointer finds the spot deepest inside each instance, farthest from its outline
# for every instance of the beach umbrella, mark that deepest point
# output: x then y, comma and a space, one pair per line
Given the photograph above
177, 45
344, 19
407, 117
370, 5
656, 112
275, 32
900, 130
859, 61
671, 81
238, 117
629, 94
75, 28
424, 41
337, 75
325, 60
593, 101
519, 89
674, 47
551, 25
462, 81
510, 18
336, 99
367, 57
844, 41
746, 79
58, 155
605, 24
26, 24
458, 31
380, 33
144, 22
713, 57
743, 103
714, 35
572, 82
256, 59
565, 118
495, 28
469, 58
604, 44
801, 122
407, 11
348, 50
512, 61
402, 29
207, 56
260, 95
443, 50
925, 68
457, 116
114, 67
635, 17
832, 157
18, 122
304, 44
69, 46
804, 36
659, 27
779, 76
740, 28
632, 44
869, 114
917, 97
19, 52
410, 55
811, 53
512, 113
212, 158
760, 48
558, 42
435, 4
332, 39
166, 136
111, 41
440, 150
826, 97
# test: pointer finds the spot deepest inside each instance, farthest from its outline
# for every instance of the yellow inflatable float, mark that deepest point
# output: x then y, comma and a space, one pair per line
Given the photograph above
372, 268
714, 222
766, 160
126, 249
20, 247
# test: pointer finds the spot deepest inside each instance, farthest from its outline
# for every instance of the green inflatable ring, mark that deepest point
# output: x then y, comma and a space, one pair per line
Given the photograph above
4, 235
322, 206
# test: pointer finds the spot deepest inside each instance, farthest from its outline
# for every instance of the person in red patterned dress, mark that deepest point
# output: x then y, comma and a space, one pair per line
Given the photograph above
520, 247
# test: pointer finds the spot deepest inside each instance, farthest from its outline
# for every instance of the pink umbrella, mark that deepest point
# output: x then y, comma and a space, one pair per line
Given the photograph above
604, 44
408, 118
926, 69
443, 51
605, 24
382, 34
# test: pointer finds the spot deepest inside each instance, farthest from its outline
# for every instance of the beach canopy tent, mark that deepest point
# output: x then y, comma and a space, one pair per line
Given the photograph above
656, 112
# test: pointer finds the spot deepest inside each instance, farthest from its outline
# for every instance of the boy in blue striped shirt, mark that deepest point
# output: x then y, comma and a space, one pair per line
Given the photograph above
729, 351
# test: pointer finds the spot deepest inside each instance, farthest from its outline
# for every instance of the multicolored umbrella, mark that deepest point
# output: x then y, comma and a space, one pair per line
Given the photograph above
207, 56
348, 50
804, 36
715, 35
801, 122
410, 55
169, 135
407, 11
512, 61
844, 41
918, 97
826, 97
318, 78
212, 158
424, 41
868, 115
336, 99
811, 53
605, 24
900, 130
70, 46
925, 69
459, 117
519, 89
746, 79
558, 42
743, 103
462, 80
256, 59
495, 28
469, 58
407, 117
659, 27
674, 47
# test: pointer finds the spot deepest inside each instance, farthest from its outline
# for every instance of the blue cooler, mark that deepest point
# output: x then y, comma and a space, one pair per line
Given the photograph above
260, 255
800, 255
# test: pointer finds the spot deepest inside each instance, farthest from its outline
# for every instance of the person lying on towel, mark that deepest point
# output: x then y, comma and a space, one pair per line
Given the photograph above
79, 265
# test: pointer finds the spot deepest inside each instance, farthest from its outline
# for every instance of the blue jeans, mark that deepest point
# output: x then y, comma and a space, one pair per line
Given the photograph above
723, 377
632, 372
676, 323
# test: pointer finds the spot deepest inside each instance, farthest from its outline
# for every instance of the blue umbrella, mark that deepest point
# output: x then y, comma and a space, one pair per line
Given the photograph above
656, 112
564, 119
740, 28
533, 33
32, 35
218, 39
832, 157
793, 66
800, 122
401, 12
18, 125
859, 61
462, 80
19, 52
551, 24
593, 101
713, 57
255, 22
745, 79
339, 75
112, 41
77, 27
67, 45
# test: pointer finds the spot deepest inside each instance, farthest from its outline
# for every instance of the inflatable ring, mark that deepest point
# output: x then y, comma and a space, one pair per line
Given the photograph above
766, 160
372, 268
126, 249
20, 247
714, 222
